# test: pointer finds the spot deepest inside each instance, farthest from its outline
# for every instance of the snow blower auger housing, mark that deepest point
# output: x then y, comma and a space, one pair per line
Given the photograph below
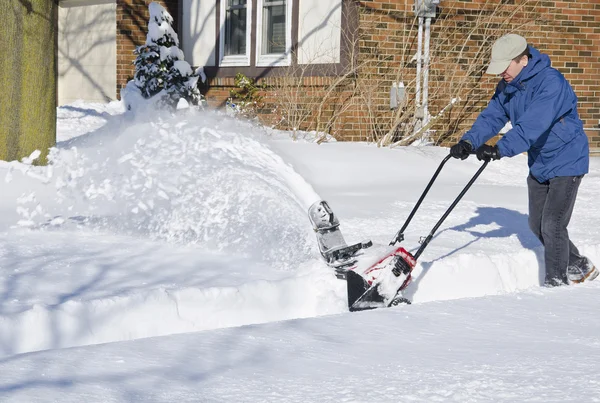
376, 276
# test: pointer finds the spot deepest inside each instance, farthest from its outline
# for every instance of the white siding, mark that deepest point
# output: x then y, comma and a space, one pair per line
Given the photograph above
198, 35
87, 51
319, 33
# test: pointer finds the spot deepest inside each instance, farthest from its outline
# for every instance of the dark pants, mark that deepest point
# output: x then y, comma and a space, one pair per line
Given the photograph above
550, 208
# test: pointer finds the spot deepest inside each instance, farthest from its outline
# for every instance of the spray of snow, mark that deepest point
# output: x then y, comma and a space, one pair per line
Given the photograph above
193, 181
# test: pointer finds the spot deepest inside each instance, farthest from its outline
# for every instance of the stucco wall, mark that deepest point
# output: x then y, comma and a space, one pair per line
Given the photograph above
319, 31
198, 31
86, 51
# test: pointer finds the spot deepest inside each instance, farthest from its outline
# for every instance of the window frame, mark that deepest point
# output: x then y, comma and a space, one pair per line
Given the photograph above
276, 59
235, 60
348, 48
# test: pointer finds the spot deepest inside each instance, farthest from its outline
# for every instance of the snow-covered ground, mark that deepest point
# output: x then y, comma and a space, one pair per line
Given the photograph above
196, 224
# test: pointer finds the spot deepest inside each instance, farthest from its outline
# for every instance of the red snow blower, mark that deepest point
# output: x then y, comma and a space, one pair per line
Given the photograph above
376, 276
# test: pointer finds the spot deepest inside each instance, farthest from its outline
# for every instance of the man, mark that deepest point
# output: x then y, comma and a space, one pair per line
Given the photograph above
542, 108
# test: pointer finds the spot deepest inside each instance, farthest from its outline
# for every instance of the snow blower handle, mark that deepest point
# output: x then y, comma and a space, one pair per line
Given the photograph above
400, 234
454, 203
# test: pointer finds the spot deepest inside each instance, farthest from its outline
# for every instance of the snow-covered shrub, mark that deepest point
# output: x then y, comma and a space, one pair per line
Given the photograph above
246, 97
160, 69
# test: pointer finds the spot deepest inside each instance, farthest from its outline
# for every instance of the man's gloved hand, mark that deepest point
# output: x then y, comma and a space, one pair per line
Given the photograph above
488, 153
461, 150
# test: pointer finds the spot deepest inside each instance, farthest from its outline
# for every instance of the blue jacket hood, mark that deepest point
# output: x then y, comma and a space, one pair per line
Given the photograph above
537, 63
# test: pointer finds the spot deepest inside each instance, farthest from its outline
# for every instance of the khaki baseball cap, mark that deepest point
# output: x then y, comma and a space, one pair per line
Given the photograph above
504, 50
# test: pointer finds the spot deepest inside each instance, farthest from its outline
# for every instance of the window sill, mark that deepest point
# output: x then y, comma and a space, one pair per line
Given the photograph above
274, 60
234, 61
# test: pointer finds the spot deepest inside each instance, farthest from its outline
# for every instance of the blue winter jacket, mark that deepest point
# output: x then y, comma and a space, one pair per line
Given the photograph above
542, 109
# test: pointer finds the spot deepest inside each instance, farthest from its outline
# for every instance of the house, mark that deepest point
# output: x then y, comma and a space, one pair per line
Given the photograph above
332, 65
97, 39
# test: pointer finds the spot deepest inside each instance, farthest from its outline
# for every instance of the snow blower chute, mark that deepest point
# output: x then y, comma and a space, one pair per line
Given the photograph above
376, 276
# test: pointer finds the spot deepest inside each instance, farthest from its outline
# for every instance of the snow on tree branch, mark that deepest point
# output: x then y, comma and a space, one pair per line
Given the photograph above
161, 73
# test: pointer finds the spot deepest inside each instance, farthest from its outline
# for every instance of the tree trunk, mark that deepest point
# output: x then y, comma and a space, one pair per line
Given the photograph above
27, 78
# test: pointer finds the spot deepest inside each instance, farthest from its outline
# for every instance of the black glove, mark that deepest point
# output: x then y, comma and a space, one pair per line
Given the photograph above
488, 153
461, 150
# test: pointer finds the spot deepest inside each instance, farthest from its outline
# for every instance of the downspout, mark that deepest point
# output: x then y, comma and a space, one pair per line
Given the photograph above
180, 22
426, 71
419, 47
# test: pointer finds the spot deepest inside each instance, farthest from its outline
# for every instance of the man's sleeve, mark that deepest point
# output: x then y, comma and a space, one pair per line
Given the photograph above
489, 122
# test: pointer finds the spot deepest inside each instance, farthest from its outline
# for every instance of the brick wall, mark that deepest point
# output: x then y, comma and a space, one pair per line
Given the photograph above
300, 102
132, 28
568, 31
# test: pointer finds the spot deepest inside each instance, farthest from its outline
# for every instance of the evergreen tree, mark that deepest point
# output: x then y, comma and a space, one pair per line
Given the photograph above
160, 68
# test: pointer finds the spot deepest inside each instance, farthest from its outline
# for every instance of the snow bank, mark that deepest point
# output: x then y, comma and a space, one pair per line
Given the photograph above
163, 311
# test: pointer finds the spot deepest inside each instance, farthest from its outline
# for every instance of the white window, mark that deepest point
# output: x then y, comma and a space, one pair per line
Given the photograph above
274, 32
235, 32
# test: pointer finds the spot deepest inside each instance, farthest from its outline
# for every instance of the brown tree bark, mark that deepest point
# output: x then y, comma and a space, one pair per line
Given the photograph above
27, 78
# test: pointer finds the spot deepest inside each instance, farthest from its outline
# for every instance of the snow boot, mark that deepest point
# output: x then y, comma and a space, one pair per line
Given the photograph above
584, 270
